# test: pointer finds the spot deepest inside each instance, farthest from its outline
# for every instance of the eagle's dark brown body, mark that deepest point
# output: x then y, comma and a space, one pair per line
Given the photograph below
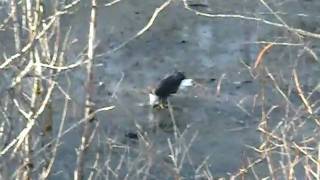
169, 85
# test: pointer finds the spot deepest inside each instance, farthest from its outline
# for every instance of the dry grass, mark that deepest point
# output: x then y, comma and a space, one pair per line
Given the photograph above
36, 104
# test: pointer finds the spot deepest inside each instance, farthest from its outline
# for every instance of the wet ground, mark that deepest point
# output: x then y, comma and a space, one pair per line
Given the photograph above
213, 121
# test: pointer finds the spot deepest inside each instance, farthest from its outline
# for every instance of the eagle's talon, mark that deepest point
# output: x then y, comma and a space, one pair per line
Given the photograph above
163, 106
160, 106
156, 107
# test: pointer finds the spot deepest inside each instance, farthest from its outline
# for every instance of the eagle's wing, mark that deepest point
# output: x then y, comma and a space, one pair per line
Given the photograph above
167, 86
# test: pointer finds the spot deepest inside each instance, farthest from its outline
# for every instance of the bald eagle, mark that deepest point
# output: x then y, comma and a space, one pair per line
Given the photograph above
167, 86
